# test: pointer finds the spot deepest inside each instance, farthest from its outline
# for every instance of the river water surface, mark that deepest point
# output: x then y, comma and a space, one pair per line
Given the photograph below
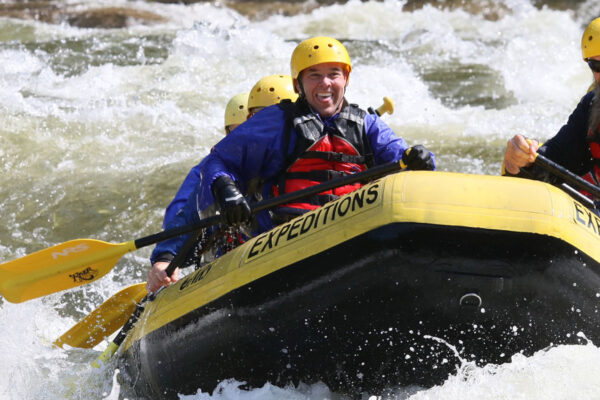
98, 128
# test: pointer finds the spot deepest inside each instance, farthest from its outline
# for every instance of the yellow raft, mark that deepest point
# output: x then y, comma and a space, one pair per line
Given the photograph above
378, 289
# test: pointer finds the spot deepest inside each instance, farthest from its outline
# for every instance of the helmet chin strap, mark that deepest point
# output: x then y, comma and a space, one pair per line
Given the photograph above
302, 94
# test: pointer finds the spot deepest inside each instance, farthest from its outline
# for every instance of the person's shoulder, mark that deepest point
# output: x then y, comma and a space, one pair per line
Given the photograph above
199, 166
271, 111
356, 108
588, 97
585, 103
264, 123
375, 122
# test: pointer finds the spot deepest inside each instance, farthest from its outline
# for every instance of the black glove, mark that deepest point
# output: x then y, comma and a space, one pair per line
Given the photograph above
418, 158
233, 205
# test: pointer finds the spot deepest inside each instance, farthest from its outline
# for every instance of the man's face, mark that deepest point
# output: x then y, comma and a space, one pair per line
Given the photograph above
324, 86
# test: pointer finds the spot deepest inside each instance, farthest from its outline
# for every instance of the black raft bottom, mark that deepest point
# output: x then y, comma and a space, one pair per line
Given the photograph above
401, 305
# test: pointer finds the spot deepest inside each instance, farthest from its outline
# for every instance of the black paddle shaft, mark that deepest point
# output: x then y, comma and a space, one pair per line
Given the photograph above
360, 177
567, 175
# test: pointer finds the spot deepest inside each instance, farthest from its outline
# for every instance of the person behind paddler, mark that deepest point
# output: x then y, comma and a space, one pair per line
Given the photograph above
576, 146
270, 90
293, 145
236, 112
267, 91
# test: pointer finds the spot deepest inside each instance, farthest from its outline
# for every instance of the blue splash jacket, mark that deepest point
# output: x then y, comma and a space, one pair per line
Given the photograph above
187, 187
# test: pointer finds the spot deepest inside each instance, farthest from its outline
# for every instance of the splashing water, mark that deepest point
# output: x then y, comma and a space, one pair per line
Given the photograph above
99, 127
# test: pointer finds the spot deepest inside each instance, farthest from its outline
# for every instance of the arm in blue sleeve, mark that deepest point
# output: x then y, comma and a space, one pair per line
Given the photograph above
187, 187
253, 150
386, 146
167, 249
187, 215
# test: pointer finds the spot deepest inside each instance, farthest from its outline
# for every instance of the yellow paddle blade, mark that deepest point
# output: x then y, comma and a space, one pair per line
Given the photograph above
104, 320
64, 266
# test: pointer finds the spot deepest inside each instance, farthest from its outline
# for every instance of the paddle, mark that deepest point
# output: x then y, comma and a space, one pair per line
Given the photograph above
73, 263
131, 318
104, 320
92, 325
387, 106
82, 261
566, 175
134, 315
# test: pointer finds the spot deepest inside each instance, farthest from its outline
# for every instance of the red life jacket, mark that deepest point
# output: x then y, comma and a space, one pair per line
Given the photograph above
593, 176
321, 153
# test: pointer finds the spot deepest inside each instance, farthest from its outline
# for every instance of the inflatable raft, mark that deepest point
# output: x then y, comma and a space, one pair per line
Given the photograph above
394, 284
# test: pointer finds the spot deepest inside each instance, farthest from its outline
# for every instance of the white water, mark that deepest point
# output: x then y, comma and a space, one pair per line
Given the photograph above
99, 127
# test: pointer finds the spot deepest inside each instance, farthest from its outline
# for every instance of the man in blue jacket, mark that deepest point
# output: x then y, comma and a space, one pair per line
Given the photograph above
290, 146
267, 91
576, 146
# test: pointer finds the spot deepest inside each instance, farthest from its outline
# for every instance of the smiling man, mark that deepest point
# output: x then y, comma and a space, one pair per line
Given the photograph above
325, 85
291, 146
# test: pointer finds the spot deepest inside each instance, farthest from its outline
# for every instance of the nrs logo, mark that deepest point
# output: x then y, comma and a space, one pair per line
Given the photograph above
75, 249
87, 274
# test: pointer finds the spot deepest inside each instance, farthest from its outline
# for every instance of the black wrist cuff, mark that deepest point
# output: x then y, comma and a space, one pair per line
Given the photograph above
221, 182
164, 257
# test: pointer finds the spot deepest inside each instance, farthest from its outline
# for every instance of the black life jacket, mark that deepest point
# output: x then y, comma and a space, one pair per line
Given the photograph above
321, 153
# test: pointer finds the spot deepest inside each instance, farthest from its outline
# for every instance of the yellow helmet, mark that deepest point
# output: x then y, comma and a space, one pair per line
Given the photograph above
590, 41
318, 50
236, 111
271, 90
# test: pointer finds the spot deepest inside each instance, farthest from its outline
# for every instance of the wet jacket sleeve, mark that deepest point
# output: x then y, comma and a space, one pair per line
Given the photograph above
569, 147
254, 149
166, 250
187, 187
386, 146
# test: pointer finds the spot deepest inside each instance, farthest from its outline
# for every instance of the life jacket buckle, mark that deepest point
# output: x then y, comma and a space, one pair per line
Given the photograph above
336, 157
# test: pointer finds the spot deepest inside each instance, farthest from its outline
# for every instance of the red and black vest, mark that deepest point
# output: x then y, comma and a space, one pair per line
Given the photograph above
321, 153
593, 138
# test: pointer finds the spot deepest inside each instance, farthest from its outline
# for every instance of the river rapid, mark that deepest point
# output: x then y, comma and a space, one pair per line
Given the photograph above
99, 126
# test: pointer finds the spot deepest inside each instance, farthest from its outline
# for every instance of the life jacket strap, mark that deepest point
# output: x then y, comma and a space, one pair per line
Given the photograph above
335, 157
316, 175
